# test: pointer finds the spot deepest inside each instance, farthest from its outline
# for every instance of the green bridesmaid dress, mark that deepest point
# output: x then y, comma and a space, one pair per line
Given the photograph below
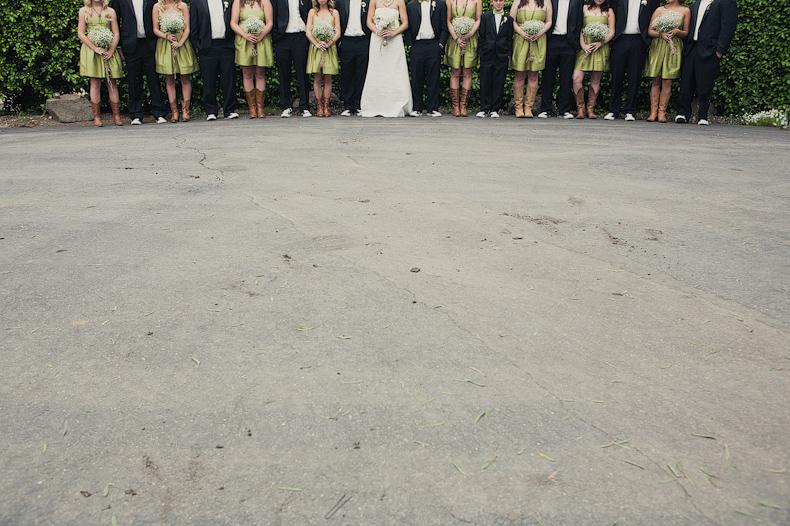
91, 63
331, 64
520, 60
452, 56
661, 62
265, 51
184, 62
598, 60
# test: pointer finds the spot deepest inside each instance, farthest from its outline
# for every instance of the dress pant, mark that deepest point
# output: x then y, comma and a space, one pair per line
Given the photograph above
627, 57
697, 74
425, 57
291, 50
353, 55
560, 55
492, 84
218, 60
138, 63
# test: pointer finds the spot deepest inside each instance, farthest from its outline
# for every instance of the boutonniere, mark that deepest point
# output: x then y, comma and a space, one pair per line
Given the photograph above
433, 5
225, 5
709, 6
644, 2
364, 5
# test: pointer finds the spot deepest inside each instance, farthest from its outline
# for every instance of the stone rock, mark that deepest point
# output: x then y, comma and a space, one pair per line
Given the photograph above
334, 101
70, 108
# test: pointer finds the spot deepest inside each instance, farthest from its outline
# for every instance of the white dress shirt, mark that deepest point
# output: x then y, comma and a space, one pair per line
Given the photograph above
354, 26
216, 13
632, 22
497, 22
703, 7
138, 14
561, 26
295, 22
426, 28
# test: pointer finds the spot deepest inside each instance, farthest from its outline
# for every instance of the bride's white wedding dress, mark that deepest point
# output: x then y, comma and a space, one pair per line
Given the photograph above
387, 90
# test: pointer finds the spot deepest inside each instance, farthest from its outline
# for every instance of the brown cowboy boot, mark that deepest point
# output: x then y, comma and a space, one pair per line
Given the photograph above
174, 111
259, 97
653, 107
116, 112
663, 102
464, 101
185, 110
251, 104
580, 104
592, 96
96, 106
518, 101
529, 100
454, 101
327, 113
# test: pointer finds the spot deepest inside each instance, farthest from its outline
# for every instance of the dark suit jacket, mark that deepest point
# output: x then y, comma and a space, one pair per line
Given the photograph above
127, 21
200, 25
575, 20
493, 46
438, 21
342, 7
717, 29
281, 13
620, 8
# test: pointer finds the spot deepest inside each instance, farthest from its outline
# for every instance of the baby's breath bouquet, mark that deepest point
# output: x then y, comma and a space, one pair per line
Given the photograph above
254, 26
595, 32
667, 22
323, 31
462, 25
385, 20
171, 23
532, 27
102, 37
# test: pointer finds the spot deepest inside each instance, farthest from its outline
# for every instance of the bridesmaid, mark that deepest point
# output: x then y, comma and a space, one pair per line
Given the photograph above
521, 12
252, 66
92, 14
184, 62
597, 59
468, 43
661, 64
323, 10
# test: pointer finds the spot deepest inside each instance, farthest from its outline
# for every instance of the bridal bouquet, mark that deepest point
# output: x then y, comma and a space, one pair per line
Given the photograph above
666, 23
595, 32
254, 26
385, 20
532, 27
171, 23
323, 31
102, 37
462, 25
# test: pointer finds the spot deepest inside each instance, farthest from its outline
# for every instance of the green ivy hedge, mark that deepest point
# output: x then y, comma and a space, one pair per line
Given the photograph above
39, 55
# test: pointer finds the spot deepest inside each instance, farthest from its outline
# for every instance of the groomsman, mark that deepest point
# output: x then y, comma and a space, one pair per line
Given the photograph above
209, 22
494, 46
290, 48
352, 49
425, 38
711, 30
561, 46
628, 52
137, 46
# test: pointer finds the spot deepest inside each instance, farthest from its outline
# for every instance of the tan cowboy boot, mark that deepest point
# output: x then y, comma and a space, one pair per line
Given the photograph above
327, 113
663, 102
116, 112
580, 104
464, 101
518, 101
653, 107
592, 96
251, 104
96, 106
185, 110
529, 100
454, 101
174, 111
259, 97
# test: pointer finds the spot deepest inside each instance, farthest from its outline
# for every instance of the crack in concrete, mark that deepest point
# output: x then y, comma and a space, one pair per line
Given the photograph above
202, 161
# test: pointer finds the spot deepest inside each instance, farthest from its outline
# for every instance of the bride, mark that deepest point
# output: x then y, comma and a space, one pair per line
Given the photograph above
387, 90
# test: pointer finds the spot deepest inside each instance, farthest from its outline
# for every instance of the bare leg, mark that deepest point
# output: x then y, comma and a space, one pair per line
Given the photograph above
467, 85
170, 87
247, 75
595, 80
455, 78
260, 78
112, 89
186, 86
532, 79
578, 80
95, 90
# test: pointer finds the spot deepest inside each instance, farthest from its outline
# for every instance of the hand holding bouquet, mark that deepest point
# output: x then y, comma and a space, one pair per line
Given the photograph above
170, 24
462, 25
385, 21
323, 31
532, 27
254, 26
594, 32
667, 22
102, 37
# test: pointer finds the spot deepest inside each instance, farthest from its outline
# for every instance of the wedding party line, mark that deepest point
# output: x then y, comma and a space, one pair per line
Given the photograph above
549, 44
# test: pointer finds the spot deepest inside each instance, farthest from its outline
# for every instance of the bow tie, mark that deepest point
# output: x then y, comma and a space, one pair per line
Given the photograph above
499, 12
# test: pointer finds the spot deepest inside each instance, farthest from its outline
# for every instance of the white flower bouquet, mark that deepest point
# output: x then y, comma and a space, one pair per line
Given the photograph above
531, 27
323, 31
171, 23
102, 37
254, 26
667, 22
385, 20
462, 25
595, 32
